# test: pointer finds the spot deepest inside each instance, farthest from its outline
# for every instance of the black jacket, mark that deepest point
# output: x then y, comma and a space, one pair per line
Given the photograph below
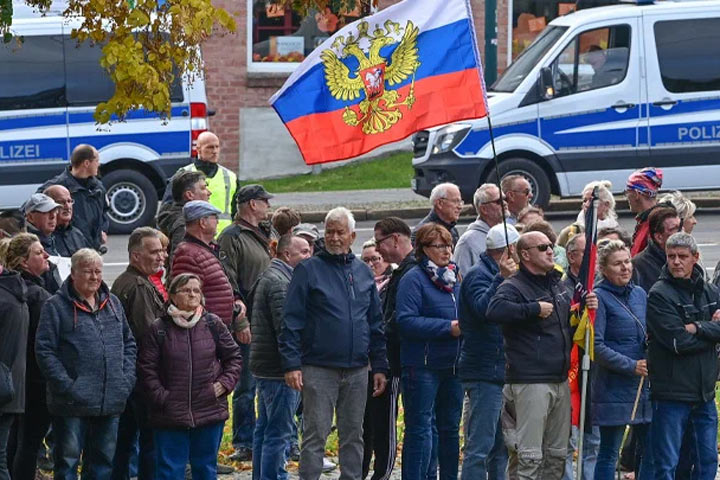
432, 217
36, 297
389, 316
14, 322
69, 239
91, 205
51, 278
647, 266
683, 367
536, 350
267, 320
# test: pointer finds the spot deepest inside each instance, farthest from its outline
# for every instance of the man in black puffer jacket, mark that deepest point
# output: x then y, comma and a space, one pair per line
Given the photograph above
684, 329
277, 402
647, 265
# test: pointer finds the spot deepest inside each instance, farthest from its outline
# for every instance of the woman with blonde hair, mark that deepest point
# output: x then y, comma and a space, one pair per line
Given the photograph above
607, 218
684, 207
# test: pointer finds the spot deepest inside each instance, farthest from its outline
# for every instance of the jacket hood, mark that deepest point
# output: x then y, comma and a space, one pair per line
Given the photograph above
489, 262
68, 292
12, 282
29, 278
282, 267
695, 282
479, 225
344, 258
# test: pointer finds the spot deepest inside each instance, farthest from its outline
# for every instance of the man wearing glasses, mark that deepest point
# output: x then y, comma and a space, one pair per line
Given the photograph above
68, 238
518, 195
533, 308
447, 204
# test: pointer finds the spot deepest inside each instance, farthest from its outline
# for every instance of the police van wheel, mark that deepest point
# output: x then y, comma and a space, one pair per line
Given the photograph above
133, 200
539, 181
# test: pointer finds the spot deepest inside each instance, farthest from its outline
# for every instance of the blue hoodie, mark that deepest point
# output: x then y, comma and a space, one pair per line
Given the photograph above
332, 316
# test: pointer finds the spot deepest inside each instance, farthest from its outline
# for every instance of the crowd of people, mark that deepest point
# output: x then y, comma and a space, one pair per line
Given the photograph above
228, 298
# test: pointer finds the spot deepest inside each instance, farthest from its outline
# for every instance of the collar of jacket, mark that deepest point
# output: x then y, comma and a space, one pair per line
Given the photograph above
489, 262
344, 258
545, 281
643, 216
45, 240
67, 291
64, 228
213, 247
282, 267
618, 290
696, 282
75, 184
435, 218
34, 279
654, 250
260, 231
208, 168
568, 274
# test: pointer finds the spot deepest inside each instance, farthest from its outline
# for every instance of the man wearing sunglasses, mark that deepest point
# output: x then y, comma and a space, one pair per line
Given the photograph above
518, 193
533, 308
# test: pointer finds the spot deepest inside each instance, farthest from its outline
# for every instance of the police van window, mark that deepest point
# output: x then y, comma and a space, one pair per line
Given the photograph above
31, 73
87, 82
689, 54
594, 59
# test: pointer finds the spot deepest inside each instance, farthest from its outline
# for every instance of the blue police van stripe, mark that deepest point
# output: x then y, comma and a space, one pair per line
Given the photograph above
60, 118
476, 139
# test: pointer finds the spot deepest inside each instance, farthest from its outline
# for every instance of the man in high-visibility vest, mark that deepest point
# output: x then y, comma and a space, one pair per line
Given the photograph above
220, 180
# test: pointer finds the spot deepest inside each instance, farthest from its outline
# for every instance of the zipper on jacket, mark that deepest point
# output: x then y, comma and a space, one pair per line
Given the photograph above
99, 329
192, 420
457, 340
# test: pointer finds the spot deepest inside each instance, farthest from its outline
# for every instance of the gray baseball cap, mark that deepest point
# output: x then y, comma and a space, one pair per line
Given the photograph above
39, 202
306, 229
199, 209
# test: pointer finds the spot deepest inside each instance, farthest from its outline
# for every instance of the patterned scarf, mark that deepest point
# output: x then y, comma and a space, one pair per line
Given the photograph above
185, 319
443, 277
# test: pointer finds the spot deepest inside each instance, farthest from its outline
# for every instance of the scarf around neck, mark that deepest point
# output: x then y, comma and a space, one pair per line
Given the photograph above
443, 277
184, 319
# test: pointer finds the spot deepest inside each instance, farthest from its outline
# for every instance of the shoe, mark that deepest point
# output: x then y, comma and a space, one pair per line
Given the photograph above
45, 463
328, 466
242, 454
294, 453
224, 469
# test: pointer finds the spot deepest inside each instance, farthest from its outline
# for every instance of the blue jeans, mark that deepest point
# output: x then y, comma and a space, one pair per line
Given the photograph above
591, 443
277, 404
425, 390
243, 403
93, 437
176, 447
670, 420
485, 455
610, 439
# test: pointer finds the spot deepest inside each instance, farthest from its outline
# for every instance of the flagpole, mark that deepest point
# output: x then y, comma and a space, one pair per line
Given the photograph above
585, 366
497, 175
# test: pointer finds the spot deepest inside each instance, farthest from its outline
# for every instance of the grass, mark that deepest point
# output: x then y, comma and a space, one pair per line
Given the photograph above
392, 171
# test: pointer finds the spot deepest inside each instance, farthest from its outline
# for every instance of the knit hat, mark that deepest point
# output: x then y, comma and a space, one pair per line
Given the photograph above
646, 181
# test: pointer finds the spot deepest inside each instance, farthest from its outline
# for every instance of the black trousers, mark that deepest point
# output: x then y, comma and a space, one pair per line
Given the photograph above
134, 425
380, 429
32, 427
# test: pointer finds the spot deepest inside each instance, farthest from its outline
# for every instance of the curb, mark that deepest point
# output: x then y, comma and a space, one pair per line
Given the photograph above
556, 209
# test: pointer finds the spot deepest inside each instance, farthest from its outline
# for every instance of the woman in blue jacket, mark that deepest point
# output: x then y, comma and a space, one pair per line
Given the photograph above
620, 362
429, 349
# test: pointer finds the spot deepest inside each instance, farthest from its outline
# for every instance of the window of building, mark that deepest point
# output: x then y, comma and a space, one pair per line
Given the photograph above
688, 53
32, 73
281, 38
593, 59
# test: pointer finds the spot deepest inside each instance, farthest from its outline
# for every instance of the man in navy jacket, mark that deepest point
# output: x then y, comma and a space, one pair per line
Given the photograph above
333, 328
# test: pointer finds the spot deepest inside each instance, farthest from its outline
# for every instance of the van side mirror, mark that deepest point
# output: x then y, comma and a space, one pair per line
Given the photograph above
547, 89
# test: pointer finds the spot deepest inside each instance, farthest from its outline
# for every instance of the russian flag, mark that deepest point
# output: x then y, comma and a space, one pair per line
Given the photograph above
380, 79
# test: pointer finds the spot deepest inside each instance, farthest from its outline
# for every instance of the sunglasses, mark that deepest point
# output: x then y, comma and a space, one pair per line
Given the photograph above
543, 247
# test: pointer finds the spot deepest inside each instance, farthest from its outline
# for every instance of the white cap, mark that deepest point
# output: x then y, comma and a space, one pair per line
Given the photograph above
496, 236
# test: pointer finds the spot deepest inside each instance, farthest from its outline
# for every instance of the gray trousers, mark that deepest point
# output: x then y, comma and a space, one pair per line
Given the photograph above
329, 391
536, 425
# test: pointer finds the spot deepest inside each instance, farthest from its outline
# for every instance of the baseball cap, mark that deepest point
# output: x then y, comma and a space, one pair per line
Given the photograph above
306, 229
39, 202
496, 236
252, 192
199, 209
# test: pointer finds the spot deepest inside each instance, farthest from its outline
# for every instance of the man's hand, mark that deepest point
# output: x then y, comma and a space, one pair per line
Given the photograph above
379, 382
294, 380
546, 309
716, 316
219, 389
103, 237
507, 265
641, 368
591, 301
243, 310
455, 328
244, 336
691, 328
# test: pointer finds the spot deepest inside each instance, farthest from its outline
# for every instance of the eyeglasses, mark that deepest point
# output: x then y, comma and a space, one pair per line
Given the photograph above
379, 241
188, 291
457, 201
69, 201
522, 192
374, 259
439, 246
497, 200
543, 247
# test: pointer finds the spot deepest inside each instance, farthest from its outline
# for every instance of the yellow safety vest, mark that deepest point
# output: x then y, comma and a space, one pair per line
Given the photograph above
222, 186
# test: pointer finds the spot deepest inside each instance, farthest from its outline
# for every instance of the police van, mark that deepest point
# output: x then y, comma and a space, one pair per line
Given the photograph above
601, 92
49, 88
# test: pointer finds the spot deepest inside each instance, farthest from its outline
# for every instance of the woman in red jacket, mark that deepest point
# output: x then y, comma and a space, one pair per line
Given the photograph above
188, 364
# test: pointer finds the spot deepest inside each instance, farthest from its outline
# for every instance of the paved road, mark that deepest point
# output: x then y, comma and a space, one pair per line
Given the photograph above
705, 233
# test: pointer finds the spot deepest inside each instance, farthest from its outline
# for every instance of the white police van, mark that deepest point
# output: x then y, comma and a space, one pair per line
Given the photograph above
49, 88
600, 93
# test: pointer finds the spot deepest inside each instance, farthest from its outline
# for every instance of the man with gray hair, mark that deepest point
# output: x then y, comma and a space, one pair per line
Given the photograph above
447, 205
333, 329
683, 333
489, 213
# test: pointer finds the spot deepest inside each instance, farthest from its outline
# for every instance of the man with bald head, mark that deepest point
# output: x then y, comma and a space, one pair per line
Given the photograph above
533, 308
221, 181
68, 238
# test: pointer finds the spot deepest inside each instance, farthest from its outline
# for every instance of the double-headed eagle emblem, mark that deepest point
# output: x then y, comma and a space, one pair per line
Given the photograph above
380, 109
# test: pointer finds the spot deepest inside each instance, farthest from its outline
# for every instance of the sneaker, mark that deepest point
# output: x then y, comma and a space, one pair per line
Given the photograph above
242, 454
294, 453
224, 469
328, 466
